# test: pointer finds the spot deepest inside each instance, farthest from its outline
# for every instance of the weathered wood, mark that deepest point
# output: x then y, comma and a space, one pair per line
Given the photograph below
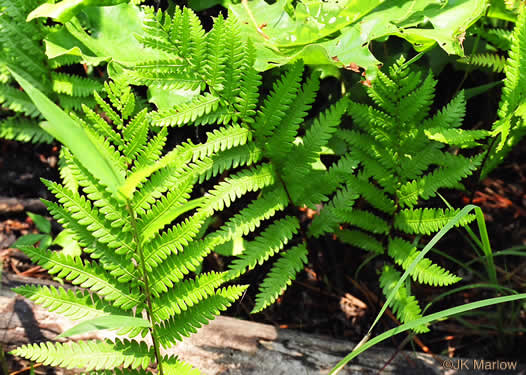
231, 346
14, 205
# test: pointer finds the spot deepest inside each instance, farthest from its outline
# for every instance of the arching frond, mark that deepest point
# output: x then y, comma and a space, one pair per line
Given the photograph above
280, 276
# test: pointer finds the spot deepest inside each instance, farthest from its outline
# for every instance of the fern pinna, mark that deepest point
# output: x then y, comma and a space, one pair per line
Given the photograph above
403, 161
510, 126
216, 69
22, 46
141, 262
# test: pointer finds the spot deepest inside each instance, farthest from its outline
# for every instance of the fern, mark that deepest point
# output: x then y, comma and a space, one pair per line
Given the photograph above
22, 47
281, 275
403, 160
493, 62
510, 125
141, 250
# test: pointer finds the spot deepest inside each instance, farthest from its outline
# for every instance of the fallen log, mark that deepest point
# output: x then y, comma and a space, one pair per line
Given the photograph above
15, 205
234, 347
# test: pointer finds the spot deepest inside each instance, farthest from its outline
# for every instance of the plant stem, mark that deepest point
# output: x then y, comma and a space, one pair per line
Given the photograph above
149, 309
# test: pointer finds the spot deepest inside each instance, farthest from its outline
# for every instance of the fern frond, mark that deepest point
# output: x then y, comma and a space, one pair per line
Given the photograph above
185, 295
222, 140
404, 305
281, 275
450, 116
269, 242
427, 220
172, 241
119, 266
23, 130
403, 253
281, 141
72, 304
89, 355
250, 218
457, 137
166, 209
212, 166
493, 62
237, 185
510, 125
334, 212
187, 112
366, 220
500, 38
173, 269
187, 322
73, 85
277, 103
17, 101
87, 275
250, 81
372, 194
360, 239
427, 186
88, 216
174, 366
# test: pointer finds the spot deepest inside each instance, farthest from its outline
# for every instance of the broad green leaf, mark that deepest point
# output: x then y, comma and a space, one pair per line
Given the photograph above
105, 322
73, 136
165, 99
64, 10
340, 32
41, 222
111, 36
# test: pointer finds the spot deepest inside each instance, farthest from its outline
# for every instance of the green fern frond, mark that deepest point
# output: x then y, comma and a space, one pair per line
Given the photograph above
23, 130
428, 186
73, 85
173, 269
236, 186
510, 125
251, 217
360, 239
404, 305
425, 272
186, 294
17, 101
187, 322
493, 62
277, 103
212, 166
281, 275
72, 304
457, 137
172, 241
269, 242
166, 209
119, 266
281, 141
187, 112
334, 212
450, 116
87, 275
366, 220
372, 194
88, 216
174, 366
500, 38
89, 355
427, 220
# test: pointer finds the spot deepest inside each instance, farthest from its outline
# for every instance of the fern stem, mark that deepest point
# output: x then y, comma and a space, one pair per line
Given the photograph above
149, 309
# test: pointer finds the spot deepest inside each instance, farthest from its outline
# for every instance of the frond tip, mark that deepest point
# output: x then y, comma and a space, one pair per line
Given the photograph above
280, 276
